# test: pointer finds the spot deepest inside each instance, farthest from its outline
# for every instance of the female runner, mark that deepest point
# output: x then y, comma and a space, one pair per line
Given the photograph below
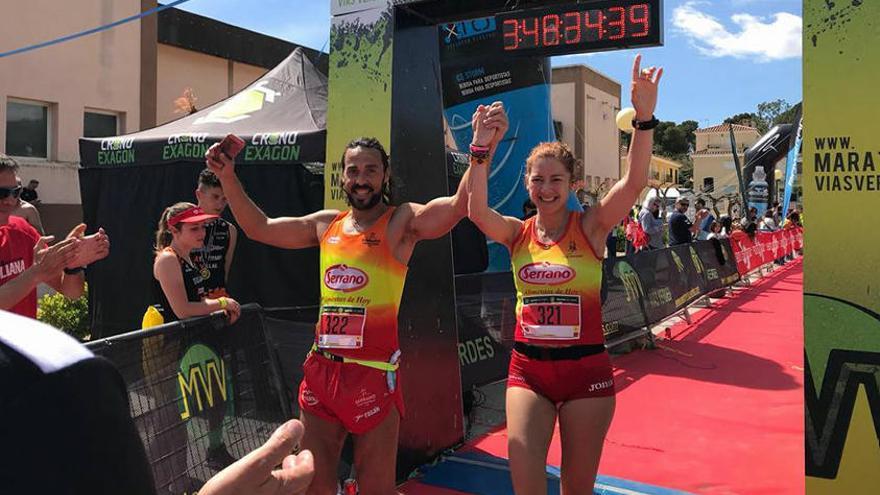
182, 285
559, 367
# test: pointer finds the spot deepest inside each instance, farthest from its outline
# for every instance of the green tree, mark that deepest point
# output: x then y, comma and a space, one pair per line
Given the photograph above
689, 126
788, 116
747, 118
769, 111
674, 141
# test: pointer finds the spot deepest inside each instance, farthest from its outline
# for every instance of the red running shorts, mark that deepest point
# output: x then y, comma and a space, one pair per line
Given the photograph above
563, 380
350, 394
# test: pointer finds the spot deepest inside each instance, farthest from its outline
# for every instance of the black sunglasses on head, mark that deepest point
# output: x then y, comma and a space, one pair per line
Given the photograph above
5, 192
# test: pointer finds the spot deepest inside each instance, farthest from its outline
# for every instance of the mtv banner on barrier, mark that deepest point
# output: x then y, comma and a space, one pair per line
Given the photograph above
202, 394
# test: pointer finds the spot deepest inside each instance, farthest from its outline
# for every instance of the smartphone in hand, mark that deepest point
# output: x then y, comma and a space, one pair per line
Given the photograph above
231, 145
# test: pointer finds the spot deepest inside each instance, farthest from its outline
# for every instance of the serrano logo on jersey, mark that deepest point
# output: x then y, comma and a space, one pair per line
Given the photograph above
546, 273
345, 278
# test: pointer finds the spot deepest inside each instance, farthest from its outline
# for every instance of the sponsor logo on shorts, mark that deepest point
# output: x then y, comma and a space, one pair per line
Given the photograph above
595, 387
309, 398
345, 278
372, 412
546, 273
364, 398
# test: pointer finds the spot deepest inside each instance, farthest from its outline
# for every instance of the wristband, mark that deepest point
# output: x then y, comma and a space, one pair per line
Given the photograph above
73, 271
480, 152
645, 125
223, 302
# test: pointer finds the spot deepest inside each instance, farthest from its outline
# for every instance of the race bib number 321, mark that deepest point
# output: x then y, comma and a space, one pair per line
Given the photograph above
551, 317
342, 327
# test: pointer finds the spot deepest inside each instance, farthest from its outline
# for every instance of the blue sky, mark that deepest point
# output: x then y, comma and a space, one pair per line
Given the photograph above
720, 57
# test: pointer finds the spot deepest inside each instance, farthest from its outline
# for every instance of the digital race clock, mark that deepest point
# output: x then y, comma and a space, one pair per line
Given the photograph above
582, 27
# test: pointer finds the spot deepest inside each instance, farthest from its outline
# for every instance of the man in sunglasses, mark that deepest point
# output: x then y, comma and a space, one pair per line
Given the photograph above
26, 259
28, 211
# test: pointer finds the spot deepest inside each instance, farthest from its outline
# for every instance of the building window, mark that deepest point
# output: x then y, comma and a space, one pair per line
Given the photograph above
709, 184
27, 129
100, 124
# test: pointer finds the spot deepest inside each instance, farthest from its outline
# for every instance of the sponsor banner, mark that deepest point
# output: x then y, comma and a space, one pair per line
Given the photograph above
360, 82
718, 263
765, 247
474, 73
798, 237
623, 297
198, 389
791, 166
841, 308
485, 309
749, 255
339, 7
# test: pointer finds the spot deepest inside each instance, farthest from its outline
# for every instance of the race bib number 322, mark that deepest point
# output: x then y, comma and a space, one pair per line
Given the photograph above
551, 317
342, 327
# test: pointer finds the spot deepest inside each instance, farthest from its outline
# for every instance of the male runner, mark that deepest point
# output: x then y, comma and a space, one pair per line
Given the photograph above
215, 259
350, 383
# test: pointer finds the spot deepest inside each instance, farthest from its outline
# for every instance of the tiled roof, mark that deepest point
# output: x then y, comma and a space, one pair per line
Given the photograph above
725, 128
711, 152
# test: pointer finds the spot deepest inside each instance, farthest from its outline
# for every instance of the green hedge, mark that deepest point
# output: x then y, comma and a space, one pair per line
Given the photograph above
70, 316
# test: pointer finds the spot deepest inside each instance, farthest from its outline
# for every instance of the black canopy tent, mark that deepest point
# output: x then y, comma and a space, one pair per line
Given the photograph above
126, 182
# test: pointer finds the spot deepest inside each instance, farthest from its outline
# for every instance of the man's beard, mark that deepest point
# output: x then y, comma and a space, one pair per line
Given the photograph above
367, 204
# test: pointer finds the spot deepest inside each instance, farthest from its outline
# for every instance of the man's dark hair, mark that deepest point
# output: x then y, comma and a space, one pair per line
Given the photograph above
7, 164
366, 142
700, 202
208, 179
373, 144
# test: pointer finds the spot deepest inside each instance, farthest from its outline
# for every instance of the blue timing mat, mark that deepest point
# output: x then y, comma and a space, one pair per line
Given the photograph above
484, 474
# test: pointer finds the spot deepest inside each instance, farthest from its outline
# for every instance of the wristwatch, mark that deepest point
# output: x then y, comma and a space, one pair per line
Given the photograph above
645, 125
74, 271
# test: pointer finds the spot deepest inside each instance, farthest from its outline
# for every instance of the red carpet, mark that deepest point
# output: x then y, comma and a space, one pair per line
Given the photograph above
719, 409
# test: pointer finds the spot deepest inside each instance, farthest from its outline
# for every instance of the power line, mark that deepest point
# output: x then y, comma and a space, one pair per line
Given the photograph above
92, 31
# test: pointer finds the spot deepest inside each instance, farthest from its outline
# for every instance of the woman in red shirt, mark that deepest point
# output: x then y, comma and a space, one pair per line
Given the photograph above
559, 367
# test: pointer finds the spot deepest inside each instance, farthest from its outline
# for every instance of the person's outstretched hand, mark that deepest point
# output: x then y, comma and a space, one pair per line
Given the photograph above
217, 162
271, 469
644, 89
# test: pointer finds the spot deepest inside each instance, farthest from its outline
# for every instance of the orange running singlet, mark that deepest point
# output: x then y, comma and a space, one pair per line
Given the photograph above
361, 286
557, 287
